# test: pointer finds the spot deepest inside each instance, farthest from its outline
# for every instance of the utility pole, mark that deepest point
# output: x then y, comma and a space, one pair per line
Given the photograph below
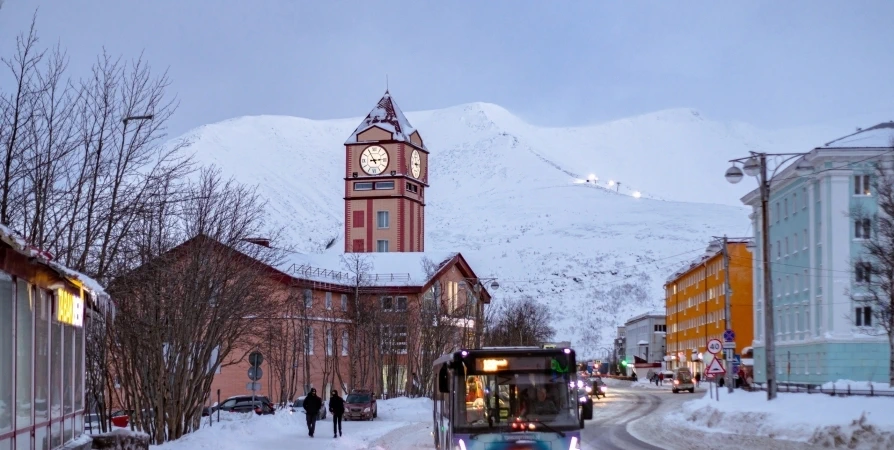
769, 327
727, 318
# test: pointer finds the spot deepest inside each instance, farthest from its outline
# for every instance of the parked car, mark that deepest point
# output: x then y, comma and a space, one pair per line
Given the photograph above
299, 406
361, 405
121, 418
261, 405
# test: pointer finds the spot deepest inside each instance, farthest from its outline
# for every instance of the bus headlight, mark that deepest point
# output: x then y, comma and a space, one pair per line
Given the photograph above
575, 445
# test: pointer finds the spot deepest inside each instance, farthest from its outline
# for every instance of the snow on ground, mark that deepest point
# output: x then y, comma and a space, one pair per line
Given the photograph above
288, 431
816, 419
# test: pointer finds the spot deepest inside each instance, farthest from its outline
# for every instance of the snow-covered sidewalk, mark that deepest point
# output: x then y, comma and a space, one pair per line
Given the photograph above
817, 419
288, 431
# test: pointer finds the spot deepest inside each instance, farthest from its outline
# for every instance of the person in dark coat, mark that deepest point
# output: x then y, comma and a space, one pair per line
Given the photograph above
337, 408
312, 406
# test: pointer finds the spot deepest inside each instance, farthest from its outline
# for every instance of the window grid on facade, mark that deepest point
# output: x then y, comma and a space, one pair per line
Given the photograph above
382, 219
863, 316
344, 302
862, 185
328, 300
862, 228
382, 245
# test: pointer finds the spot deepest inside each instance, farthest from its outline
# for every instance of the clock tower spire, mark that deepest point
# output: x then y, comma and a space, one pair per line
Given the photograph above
386, 174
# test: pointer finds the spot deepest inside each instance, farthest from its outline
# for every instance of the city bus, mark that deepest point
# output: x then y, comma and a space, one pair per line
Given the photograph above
507, 398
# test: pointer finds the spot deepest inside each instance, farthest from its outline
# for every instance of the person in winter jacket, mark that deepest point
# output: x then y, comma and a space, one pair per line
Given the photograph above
312, 406
337, 408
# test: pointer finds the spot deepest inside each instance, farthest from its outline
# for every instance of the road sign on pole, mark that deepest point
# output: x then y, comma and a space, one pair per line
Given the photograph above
253, 386
714, 346
255, 373
729, 335
715, 368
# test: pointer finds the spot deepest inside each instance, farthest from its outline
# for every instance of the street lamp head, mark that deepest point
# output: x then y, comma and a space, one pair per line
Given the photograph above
752, 167
494, 285
146, 117
734, 175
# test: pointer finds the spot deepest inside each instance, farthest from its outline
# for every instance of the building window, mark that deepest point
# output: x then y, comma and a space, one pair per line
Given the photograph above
329, 343
384, 185
863, 316
358, 219
861, 185
382, 245
308, 298
786, 246
785, 207
7, 352
344, 343
806, 239
794, 203
394, 339
382, 219
328, 300
862, 228
344, 302
24, 354
363, 186
863, 272
309, 341
388, 303
401, 304
661, 328
412, 188
778, 215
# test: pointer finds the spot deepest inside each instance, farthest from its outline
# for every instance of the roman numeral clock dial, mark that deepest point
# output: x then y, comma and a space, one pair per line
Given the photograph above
374, 160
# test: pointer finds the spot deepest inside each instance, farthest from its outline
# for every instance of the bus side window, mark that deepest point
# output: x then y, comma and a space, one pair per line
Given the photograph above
443, 379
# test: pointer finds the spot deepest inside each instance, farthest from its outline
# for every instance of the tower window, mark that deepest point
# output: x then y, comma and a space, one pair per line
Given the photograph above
382, 245
363, 186
384, 185
412, 187
382, 219
358, 219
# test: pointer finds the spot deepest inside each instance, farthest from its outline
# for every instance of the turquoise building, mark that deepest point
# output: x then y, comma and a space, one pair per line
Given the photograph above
823, 332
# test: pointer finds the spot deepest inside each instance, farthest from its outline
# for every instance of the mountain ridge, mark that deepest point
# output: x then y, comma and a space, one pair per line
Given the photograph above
512, 197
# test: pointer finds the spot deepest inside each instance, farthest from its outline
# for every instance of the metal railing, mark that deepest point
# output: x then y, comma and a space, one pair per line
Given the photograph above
818, 389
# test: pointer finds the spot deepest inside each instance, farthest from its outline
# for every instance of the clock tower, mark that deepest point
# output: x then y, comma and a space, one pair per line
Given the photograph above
386, 175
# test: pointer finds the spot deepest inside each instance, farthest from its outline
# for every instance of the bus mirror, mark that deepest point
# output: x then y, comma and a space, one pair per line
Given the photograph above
443, 380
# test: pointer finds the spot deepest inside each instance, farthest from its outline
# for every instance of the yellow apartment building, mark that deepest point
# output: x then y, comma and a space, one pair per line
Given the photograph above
695, 305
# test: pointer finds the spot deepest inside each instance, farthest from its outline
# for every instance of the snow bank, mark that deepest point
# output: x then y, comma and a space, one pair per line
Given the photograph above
843, 385
822, 420
283, 430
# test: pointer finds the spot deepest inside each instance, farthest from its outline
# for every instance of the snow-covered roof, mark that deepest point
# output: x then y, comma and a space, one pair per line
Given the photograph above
385, 269
22, 246
387, 116
881, 135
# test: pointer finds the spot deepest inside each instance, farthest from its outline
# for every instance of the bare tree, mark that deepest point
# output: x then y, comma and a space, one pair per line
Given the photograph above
874, 268
363, 337
283, 347
518, 322
189, 307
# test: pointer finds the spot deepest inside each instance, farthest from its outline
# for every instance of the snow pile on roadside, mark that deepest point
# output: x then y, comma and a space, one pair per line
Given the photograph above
645, 384
284, 430
821, 420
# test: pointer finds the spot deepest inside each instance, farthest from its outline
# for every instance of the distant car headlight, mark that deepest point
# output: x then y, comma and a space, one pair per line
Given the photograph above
365, 409
580, 383
583, 399
589, 389
603, 388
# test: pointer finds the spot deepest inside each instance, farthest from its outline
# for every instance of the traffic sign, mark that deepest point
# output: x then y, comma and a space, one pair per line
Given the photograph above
255, 358
729, 345
256, 386
255, 373
715, 368
730, 356
714, 346
738, 359
729, 335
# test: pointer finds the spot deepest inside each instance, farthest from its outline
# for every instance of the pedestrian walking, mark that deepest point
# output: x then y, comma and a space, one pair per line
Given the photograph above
312, 406
337, 409
698, 378
661, 378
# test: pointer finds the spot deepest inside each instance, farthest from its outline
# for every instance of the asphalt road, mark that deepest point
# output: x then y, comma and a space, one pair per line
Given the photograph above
612, 414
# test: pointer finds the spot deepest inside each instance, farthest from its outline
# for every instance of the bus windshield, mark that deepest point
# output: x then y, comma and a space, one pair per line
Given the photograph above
493, 400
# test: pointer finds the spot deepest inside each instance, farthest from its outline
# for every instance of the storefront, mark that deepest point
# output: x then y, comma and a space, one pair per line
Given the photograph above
42, 306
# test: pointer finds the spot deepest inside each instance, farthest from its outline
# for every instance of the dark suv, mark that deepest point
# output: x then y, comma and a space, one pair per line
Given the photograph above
361, 405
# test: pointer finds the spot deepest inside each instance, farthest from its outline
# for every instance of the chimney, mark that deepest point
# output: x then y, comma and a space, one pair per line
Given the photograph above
263, 242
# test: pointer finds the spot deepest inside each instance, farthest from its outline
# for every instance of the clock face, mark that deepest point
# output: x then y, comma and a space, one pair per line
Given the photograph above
374, 160
415, 164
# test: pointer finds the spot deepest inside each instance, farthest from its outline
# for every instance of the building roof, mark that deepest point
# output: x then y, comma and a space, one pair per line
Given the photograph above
385, 269
387, 116
23, 247
878, 136
646, 315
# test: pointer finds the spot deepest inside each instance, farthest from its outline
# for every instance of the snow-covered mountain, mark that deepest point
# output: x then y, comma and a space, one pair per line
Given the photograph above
512, 198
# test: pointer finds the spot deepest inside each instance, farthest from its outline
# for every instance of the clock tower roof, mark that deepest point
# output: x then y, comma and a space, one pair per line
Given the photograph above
387, 116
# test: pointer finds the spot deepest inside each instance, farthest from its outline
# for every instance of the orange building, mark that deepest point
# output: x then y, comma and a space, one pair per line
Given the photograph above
696, 308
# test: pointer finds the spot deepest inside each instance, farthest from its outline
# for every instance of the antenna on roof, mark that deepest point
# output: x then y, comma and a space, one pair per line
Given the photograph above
386, 83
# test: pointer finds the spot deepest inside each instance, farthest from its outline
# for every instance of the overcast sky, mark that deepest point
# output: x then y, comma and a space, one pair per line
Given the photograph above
775, 64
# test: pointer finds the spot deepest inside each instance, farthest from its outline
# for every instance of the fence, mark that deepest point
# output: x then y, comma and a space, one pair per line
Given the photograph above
817, 389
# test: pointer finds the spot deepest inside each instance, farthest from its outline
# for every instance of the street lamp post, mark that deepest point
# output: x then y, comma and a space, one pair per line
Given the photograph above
479, 282
756, 166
